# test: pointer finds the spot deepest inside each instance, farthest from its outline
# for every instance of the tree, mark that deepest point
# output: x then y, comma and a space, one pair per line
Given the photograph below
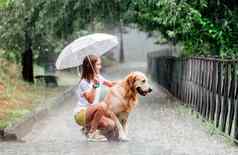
203, 26
115, 13
30, 27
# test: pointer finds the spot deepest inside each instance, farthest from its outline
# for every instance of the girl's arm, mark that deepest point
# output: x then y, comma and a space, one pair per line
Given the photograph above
90, 95
106, 82
109, 83
87, 91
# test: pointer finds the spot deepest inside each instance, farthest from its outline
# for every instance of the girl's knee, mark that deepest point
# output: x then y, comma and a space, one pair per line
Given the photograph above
110, 123
106, 123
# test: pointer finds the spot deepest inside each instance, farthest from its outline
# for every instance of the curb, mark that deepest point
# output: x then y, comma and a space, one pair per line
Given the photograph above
22, 127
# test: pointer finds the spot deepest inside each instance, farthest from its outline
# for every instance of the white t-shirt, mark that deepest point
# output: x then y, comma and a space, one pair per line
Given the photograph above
83, 86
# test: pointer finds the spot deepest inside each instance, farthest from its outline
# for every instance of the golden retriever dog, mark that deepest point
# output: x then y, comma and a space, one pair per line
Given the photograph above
123, 97
121, 100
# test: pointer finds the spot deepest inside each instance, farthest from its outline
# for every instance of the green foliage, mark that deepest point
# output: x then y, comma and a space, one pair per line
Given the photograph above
11, 56
3, 3
51, 24
204, 27
11, 25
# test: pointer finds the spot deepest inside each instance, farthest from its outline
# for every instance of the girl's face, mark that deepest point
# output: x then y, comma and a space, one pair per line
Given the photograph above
98, 66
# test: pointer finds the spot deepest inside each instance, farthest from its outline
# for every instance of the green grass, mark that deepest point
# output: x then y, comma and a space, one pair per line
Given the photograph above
3, 124
13, 116
3, 3
17, 113
19, 98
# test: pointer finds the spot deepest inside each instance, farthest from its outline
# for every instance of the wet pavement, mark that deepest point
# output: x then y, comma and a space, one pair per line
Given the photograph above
158, 125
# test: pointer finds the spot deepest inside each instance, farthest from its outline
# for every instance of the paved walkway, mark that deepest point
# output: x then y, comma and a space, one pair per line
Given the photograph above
159, 125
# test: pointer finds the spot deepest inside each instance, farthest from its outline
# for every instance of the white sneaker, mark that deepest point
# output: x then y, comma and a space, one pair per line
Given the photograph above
96, 136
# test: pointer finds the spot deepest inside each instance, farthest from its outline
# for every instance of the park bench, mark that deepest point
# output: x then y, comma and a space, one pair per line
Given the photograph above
48, 80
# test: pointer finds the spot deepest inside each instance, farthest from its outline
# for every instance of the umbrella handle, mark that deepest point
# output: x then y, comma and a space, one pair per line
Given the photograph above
91, 65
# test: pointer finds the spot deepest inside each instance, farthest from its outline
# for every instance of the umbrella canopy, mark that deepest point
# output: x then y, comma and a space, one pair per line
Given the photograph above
74, 53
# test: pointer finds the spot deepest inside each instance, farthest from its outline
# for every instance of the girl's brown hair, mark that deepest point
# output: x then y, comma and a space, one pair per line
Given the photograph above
87, 70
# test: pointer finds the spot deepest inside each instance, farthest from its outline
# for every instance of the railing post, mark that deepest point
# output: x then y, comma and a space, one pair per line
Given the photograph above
225, 97
203, 88
197, 71
214, 89
219, 86
209, 90
208, 85
192, 81
232, 96
236, 107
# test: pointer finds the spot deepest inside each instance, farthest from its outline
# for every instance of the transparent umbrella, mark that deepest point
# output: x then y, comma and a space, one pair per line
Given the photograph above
74, 53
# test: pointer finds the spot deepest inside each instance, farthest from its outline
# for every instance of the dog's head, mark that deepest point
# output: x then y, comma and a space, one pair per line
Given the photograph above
139, 82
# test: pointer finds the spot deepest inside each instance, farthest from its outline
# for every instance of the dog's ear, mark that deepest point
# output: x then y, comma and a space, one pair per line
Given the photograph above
131, 79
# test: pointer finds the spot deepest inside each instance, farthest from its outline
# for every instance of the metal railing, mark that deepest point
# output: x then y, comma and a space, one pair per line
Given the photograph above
209, 86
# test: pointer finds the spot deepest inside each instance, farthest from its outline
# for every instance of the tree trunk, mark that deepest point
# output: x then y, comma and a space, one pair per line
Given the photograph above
27, 58
27, 65
122, 57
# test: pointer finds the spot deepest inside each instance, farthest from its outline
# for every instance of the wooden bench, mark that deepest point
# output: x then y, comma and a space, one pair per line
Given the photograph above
49, 80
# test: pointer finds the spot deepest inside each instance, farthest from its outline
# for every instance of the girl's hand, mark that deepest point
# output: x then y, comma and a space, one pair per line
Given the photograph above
96, 82
109, 83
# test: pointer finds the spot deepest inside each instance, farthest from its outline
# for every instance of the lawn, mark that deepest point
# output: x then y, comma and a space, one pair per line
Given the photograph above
18, 98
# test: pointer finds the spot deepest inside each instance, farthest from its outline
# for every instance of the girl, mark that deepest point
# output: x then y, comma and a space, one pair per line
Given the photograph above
88, 92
